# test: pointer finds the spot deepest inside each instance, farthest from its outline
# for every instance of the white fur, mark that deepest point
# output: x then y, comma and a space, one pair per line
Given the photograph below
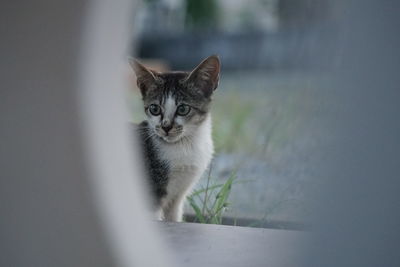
169, 108
188, 159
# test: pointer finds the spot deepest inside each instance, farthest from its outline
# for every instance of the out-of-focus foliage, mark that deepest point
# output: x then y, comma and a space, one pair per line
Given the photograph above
201, 14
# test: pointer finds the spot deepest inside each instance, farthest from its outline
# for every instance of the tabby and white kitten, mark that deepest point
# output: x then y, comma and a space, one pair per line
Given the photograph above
176, 137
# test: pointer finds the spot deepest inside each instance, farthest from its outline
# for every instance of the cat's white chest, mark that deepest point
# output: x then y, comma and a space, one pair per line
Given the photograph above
187, 161
188, 156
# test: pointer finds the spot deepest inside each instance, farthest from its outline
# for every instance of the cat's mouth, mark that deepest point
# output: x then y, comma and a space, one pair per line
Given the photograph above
171, 137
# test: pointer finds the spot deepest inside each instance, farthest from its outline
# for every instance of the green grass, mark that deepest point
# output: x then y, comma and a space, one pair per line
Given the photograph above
210, 203
231, 115
259, 124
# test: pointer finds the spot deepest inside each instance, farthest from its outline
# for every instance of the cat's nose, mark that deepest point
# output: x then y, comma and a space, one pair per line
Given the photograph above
166, 128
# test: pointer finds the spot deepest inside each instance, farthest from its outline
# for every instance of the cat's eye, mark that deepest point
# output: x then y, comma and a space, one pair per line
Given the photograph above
183, 110
155, 109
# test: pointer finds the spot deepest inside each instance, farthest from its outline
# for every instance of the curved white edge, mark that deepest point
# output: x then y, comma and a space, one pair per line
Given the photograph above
114, 175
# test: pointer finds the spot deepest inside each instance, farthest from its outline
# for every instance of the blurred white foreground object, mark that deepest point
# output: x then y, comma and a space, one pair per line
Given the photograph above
69, 187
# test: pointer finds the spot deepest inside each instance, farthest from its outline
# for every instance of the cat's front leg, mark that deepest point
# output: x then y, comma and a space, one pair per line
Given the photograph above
174, 210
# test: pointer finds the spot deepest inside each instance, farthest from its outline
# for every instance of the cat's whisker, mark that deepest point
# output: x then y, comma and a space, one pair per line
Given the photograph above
151, 135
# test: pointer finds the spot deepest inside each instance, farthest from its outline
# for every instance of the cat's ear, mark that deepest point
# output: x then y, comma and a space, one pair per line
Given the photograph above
145, 78
205, 76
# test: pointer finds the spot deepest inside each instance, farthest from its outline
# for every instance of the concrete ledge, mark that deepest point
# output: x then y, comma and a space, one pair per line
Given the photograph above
218, 245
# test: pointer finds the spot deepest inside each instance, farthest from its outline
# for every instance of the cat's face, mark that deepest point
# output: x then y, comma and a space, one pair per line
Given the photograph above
177, 103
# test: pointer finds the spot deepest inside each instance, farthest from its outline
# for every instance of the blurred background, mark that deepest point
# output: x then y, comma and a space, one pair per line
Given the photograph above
273, 63
306, 121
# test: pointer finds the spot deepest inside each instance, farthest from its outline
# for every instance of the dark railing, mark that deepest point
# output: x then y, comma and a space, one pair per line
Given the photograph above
251, 50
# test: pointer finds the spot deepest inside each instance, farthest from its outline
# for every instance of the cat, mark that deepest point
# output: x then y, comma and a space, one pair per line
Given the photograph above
176, 137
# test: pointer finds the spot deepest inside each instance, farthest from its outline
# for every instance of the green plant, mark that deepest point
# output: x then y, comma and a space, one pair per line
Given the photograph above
209, 203
201, 14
